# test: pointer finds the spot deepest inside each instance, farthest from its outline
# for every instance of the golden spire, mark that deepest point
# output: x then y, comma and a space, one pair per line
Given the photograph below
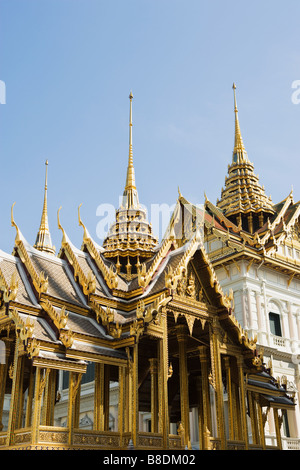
130, 238
43, 240
130, 196
239, 152
243, 193
130, 180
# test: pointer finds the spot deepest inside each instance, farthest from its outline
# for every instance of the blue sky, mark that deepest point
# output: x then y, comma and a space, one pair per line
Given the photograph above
69, 66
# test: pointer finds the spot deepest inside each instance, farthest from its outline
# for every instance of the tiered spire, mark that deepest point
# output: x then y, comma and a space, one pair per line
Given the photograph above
43, 240
130, 195
130, 241
239, 152
244, 199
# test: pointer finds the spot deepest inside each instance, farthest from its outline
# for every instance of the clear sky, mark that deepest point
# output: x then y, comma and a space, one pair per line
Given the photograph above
68, 67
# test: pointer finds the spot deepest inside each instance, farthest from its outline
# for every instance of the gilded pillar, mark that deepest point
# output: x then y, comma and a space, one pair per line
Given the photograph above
253, 417
184, 383
122, 404
237, 413
106, 396
96, 398
206, 412
163, 381
261, 422
101, 397
278, 423
154, 394
250, 222
74, 385
20, 406
217, 380
52, 397
29, 398
135, 395
40, 382
200, 413
128, 397
230, 400
3, 379
45, 404
13, 411
243, 411
77, 405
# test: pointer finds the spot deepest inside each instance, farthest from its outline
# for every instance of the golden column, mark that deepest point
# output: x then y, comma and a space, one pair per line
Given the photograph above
122, 404
154, 394
278, 423
163, 380
261, 422
74, 386
128, 395
184, 383
3, 379
29, 398
21, 394
206, 417
237, 413
14, 402
37, 407
41, 376
217, 379
135, 395
230, 398
253, 416
243, 412
101, 397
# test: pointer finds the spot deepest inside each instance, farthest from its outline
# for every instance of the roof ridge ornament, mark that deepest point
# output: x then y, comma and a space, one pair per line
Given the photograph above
85, 231
13, 223
64, 240
43, 240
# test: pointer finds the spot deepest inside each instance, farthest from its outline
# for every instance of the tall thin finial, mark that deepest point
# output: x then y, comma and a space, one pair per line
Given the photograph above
44, 220
239, 151
43, 240
130, 195
130, 179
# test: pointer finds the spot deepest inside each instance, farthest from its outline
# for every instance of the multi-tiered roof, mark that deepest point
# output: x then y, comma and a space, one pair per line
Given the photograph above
130, 240
243, 200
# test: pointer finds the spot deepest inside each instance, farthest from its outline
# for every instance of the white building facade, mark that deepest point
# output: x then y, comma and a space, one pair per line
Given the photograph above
268, 307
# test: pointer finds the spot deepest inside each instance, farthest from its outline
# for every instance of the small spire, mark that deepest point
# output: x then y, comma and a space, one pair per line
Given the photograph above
130, 196
239, 151
43, 240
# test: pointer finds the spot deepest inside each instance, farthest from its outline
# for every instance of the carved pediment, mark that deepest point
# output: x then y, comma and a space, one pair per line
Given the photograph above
190, 287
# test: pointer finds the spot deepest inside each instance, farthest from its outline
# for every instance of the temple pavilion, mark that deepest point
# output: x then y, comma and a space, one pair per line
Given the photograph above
149, 317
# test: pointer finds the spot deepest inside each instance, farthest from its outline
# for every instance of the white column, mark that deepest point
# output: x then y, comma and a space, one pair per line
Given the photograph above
298, 324
260, 319
283, 325
244, 309
250, 313
266, 310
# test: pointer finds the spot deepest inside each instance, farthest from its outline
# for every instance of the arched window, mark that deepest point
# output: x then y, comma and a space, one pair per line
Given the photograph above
274, 318
275, 326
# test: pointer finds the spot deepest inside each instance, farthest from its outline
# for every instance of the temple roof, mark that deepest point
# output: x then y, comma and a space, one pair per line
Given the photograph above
130, 236
243, 193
